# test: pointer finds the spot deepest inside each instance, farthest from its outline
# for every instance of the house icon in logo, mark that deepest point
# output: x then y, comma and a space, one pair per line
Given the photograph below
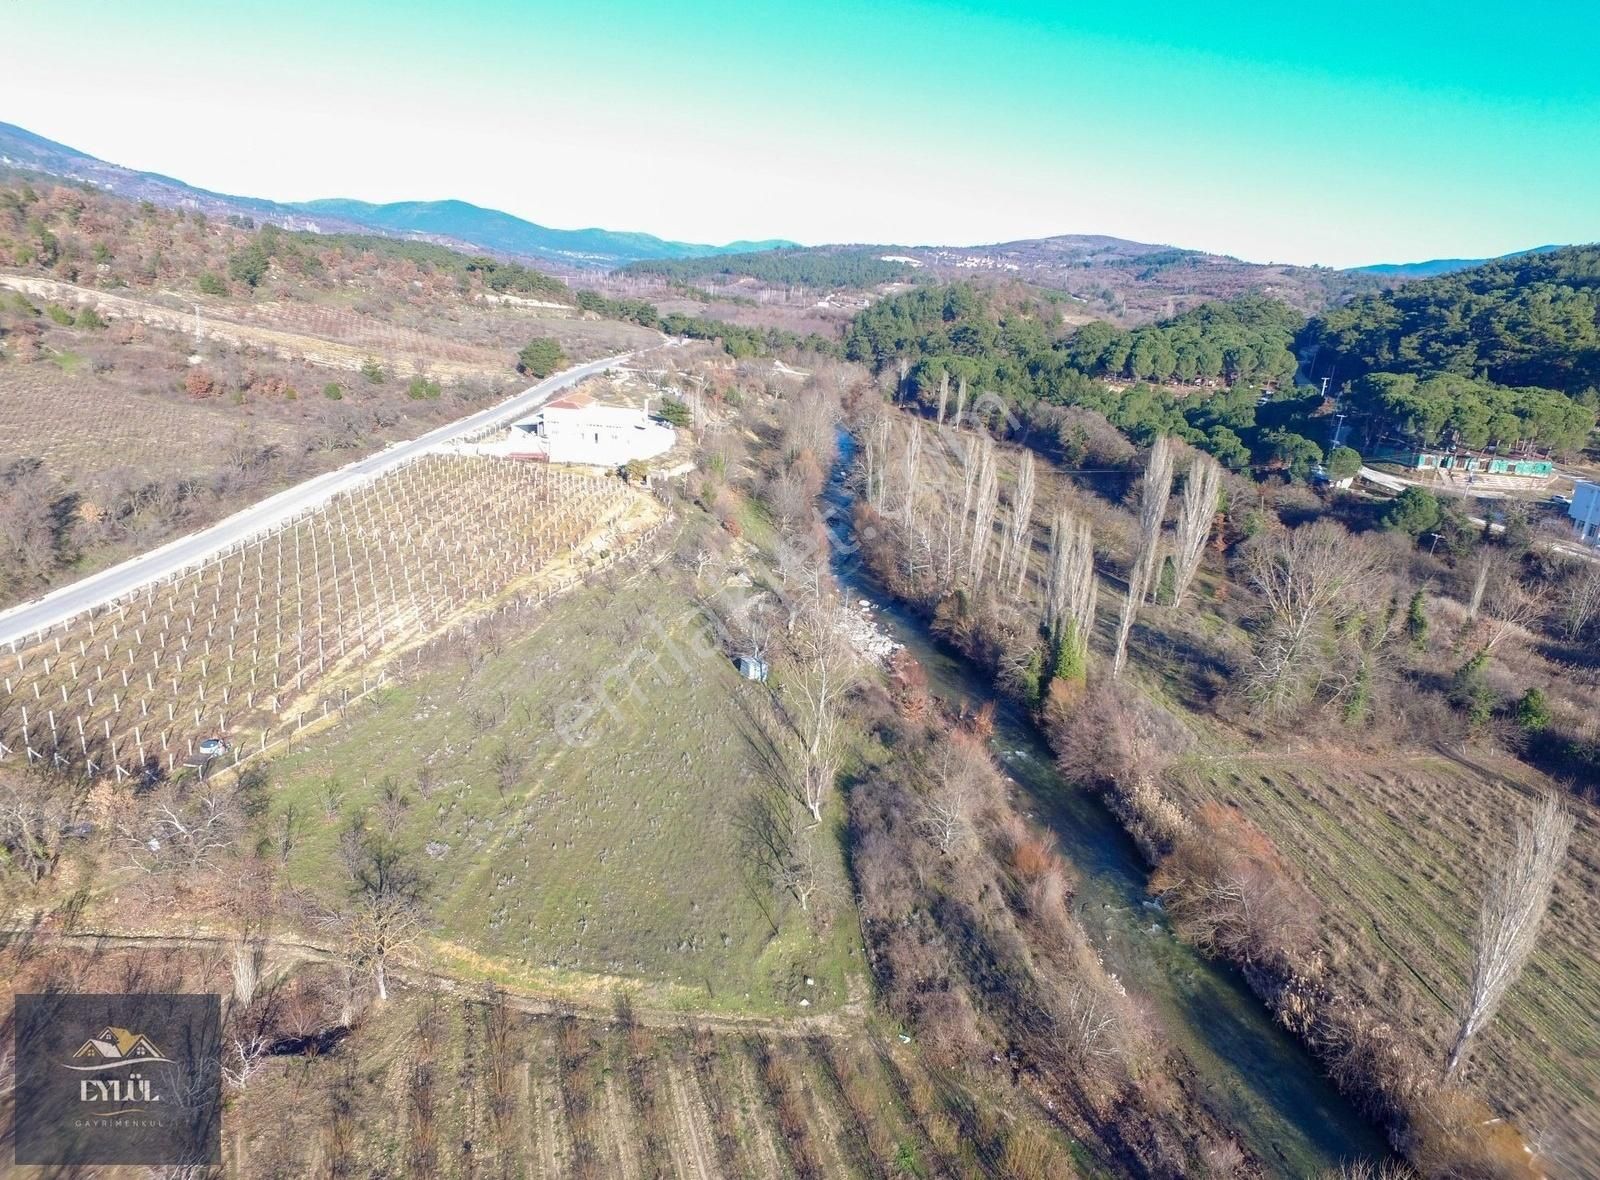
116, 1045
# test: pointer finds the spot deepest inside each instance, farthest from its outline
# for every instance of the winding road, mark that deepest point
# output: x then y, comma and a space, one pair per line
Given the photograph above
134, 574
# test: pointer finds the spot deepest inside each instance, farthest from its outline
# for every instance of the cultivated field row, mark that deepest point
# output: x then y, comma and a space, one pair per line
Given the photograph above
456, 1091
81, 430
242, 642
1398, 851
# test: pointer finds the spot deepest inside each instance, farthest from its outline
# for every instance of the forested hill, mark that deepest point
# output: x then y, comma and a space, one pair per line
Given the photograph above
963, 344
1533, 320
1244, 339
827, 270
1506, 354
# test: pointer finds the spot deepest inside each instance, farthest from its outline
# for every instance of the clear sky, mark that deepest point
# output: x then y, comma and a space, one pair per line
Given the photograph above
1341, 133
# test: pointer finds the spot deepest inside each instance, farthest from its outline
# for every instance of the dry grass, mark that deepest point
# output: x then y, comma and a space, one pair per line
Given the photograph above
1397, 850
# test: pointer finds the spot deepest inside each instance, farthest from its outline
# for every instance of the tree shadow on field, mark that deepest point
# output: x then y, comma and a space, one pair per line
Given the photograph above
764, 819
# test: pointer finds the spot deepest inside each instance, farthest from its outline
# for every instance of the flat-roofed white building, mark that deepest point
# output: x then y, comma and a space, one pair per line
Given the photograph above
576, 429
1585, 511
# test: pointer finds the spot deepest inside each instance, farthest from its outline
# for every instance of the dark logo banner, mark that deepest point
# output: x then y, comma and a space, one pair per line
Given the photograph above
118, 1079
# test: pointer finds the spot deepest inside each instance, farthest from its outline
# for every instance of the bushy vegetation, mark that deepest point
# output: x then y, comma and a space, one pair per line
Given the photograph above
1449, 409
1471, 358
1533, 320
540, 358
495, 274
737, 340
1020, 374
829, 269
1246, 339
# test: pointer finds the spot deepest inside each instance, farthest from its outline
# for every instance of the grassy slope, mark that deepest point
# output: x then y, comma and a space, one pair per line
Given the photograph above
619, 856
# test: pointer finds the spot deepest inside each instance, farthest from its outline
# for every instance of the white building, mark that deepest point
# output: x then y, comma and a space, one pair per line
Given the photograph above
1585, 511
575, 429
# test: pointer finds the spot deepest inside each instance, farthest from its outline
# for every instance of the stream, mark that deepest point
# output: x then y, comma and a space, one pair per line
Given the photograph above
1251, 1071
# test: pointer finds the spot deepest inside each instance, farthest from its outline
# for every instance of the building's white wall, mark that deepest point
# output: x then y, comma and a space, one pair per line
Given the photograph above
1585, 511
602, 436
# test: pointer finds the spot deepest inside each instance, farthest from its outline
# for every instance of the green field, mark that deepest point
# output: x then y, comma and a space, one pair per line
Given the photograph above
576, 794
1396, 849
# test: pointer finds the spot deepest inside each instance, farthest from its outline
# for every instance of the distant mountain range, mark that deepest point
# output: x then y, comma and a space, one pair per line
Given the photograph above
1439, 266
504, 233
1131, 279
451, 223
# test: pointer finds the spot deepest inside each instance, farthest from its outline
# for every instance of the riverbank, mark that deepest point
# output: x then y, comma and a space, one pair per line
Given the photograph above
1245, 1068
1267, 943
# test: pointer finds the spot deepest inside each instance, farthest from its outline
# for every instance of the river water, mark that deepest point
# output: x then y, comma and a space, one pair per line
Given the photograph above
1253, 1073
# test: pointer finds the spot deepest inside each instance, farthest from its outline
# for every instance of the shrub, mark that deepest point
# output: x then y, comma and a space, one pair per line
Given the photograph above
673, 412
1414, 511
372, 369
90, 318
1533, 711
249, 265
1417, 621
422, 389
332, 392
210, 283
60, 315
1230, 891
540, 358
199, 383
1470, 691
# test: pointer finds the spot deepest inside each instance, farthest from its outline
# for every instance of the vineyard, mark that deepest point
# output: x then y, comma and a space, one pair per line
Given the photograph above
263, 639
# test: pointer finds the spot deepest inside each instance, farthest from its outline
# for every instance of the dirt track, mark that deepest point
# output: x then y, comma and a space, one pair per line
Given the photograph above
287, 953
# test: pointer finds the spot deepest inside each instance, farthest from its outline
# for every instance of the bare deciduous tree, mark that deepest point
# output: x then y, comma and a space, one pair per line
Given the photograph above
956, 782
801, 873
1514, 905
1307, 577
1480, 582
384, 920
1580, 601
1511, 609
1071, 589
35, 815
183, 828
1195, 515
911, 461
247, 959
983, 510
1019, 528
823, 668
1152, 511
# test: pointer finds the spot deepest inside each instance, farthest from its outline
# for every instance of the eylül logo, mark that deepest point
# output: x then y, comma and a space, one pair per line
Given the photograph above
118, 1079
117, 1094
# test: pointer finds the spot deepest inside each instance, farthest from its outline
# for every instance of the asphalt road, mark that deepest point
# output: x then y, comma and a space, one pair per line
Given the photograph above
135, 573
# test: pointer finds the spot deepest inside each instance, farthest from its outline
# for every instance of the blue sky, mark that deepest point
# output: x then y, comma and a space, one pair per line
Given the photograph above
1336, 133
